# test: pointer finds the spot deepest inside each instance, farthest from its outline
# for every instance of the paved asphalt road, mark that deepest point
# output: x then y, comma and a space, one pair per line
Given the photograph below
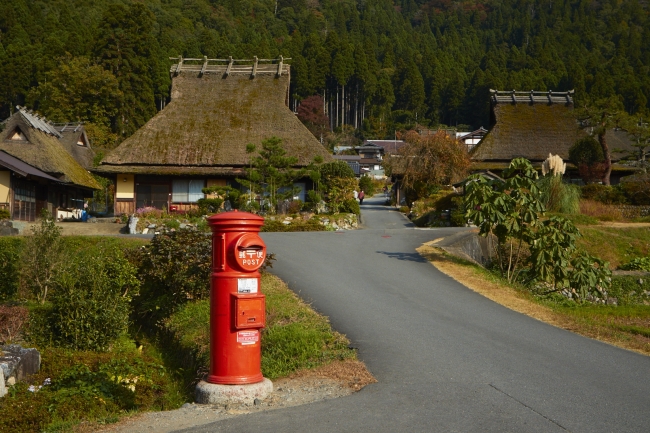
447, 359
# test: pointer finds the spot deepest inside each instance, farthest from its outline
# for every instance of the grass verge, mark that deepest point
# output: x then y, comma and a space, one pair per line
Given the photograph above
627, 327
295, 336
623, 244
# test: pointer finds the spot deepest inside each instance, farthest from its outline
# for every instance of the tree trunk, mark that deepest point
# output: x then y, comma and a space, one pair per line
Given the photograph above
342, 105
337, 106
608, 157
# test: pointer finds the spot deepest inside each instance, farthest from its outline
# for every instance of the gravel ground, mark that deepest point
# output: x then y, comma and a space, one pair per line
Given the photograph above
334, 380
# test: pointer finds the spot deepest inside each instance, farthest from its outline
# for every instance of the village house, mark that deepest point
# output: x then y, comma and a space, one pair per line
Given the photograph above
533, 125
199, 139
38, 171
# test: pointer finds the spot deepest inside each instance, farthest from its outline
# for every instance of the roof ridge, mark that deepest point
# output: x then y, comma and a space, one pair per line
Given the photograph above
40, 123
531, 96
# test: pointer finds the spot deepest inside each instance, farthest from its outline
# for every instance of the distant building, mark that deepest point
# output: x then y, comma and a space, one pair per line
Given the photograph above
471, 139
533, 125
352, 160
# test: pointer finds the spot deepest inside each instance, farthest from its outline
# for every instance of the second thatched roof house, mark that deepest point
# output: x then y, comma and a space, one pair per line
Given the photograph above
38, 170
533, 125
199, 139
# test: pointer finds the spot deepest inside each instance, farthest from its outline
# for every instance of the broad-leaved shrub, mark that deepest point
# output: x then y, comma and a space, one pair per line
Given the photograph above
174, 269
90, 305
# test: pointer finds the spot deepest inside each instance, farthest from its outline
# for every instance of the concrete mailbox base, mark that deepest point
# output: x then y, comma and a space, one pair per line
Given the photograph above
211, 393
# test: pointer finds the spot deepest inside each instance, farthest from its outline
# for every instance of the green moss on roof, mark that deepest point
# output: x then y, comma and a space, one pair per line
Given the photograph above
211, 119
530, 131
46, 153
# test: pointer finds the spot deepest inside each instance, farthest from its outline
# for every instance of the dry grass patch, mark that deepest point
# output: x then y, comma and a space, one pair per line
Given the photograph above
618, 331
349, 372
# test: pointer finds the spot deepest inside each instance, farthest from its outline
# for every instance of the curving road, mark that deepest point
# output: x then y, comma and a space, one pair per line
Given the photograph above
447, 359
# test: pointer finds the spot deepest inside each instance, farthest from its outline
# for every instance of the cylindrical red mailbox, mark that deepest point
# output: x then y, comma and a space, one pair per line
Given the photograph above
236, 302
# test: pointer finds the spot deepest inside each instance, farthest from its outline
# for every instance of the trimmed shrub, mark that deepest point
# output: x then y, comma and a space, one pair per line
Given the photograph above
350, 206
209, 205
4, 214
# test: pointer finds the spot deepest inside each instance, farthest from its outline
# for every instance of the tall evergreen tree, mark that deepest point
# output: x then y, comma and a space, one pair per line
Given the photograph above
128, 49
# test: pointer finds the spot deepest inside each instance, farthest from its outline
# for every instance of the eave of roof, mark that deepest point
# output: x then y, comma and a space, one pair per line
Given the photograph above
23, 169
44, 151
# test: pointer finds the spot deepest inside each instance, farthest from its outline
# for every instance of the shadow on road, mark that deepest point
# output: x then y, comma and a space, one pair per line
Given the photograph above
411, 257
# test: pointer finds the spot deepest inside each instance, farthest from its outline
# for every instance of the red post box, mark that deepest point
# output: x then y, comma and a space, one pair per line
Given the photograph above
236, 302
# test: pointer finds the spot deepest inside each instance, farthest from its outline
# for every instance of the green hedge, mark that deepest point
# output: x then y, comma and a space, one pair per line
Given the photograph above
10, 250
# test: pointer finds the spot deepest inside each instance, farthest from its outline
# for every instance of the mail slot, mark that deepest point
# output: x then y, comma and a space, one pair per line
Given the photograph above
249, 311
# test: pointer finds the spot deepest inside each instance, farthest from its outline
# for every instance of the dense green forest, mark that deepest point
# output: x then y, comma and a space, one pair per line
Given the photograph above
380, 65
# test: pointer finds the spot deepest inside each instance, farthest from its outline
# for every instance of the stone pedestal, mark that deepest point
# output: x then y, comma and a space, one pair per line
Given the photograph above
211, 393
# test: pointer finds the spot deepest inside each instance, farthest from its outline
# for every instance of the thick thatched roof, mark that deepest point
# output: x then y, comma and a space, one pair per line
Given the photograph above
76, 142
529, 128
35, 141
211, 118
533, 125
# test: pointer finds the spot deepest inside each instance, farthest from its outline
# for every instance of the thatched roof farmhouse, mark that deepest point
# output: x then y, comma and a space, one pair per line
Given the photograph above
533, 125
199, 139
36, 170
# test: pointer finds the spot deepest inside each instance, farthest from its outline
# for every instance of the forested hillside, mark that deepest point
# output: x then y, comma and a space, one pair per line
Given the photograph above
381, 65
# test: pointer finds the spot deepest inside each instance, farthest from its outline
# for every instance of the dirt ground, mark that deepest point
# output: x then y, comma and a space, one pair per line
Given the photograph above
91, 229
334, 380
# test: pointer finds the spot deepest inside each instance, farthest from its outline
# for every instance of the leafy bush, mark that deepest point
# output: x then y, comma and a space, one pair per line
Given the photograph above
603, 193
41, 258
174, 268
637, 264
90, 305
351, 206
4, 214
404, 209
209, 205
367, 185
10, 252
340, 190
334, 169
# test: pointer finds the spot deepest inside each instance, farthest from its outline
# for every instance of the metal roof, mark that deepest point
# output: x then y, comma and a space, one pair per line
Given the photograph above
38, 122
